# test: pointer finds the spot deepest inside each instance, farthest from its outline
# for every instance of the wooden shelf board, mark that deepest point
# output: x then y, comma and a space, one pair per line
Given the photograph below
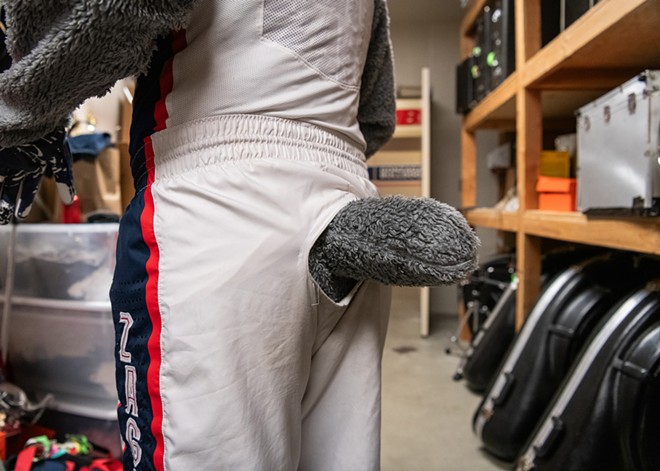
500, 104
614, 34
564, 104
408, 130
566, 79
554, 103
636, 234
397, 183
387, 157
408, 103
400, 189
493, 219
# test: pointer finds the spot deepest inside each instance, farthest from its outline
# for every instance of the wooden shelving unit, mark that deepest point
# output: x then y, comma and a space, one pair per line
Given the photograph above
410, 149
612, 42
500, 220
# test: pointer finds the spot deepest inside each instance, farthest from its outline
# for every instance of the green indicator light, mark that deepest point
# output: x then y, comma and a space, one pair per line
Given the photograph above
491, 59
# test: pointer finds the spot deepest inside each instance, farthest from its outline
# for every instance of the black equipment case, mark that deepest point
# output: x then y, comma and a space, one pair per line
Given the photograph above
466, 85
637, 400
493, 339
491, 342
490, 318
500, 47
606, 416
492, 59
568, 309
481, 291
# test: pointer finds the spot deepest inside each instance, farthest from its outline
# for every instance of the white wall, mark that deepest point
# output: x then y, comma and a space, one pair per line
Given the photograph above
435, 44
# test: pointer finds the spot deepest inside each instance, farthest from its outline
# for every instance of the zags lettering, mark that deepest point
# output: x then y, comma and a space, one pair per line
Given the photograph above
130, 388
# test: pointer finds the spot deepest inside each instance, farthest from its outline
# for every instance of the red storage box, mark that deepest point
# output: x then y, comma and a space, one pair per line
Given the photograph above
412, 116
556, 194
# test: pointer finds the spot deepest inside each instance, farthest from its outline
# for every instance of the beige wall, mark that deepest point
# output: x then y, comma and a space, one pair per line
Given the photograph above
435, 45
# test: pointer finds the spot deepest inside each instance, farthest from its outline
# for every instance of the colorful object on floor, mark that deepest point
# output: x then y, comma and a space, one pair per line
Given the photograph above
75, 454
47, 448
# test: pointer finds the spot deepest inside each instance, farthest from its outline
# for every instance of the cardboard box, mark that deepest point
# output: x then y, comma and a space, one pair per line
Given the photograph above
556, 194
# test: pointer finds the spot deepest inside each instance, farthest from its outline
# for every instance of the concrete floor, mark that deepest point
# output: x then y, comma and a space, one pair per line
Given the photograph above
427, 417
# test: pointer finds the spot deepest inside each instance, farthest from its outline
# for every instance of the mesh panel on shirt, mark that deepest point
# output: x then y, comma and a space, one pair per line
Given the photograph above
324, 33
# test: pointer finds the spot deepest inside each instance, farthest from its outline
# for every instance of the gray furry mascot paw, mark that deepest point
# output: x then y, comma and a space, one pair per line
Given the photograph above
394, 240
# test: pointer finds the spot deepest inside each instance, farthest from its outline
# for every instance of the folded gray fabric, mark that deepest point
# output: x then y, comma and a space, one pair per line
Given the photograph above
395, 240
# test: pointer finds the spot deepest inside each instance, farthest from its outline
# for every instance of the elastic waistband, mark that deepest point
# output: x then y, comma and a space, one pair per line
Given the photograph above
239, 137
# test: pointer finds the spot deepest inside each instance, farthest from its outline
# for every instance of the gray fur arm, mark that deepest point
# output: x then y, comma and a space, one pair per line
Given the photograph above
376, 112
66, 52
395, 240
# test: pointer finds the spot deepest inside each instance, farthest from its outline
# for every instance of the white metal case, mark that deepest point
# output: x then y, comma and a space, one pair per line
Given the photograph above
618, 150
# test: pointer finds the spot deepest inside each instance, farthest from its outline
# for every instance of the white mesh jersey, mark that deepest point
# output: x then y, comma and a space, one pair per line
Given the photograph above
294, 59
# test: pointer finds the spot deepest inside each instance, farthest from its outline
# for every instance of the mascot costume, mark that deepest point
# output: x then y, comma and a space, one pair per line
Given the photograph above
250, 294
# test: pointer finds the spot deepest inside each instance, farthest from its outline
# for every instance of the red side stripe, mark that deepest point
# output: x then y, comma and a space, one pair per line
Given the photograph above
153, 263
153, 344
167, 80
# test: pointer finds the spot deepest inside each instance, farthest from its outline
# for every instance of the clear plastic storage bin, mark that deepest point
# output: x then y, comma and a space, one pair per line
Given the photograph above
60, 330
61, 261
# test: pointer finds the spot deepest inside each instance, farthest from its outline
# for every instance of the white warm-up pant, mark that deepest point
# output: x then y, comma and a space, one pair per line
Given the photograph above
229, 355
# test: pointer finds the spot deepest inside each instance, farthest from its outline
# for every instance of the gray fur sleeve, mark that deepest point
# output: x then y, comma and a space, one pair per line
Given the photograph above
377, 110
66, 52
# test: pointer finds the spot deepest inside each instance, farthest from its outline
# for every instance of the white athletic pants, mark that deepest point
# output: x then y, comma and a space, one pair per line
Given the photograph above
229, 356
